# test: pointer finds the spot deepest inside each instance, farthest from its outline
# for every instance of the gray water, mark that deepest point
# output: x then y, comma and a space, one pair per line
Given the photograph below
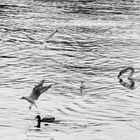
95, 40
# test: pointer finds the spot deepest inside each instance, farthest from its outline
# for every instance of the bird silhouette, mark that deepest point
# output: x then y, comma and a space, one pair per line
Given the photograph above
45, 119
36, 92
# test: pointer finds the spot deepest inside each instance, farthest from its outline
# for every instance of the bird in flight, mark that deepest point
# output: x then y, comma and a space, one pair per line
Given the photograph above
36, 92
46, 40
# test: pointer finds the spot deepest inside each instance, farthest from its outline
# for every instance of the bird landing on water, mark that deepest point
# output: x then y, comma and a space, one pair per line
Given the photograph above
36, 92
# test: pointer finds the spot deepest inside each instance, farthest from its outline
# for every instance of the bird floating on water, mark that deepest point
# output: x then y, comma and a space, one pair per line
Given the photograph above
130, 84
48, 119
36, 92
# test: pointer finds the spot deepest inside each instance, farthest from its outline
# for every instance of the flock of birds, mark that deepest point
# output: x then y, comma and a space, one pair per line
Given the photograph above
39, 89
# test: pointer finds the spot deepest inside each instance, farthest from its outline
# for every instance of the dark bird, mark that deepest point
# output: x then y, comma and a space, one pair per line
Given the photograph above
36, 92
46, 119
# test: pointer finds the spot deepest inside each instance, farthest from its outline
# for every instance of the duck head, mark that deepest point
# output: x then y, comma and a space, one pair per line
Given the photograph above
38, 120
38, 117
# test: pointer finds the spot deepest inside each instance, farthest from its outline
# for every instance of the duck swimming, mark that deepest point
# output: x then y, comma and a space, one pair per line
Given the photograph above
46, 119
36, 92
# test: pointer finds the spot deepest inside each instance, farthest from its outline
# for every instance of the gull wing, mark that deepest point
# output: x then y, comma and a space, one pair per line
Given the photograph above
31, 38
37, 91
51, 35
40, 84
43, 89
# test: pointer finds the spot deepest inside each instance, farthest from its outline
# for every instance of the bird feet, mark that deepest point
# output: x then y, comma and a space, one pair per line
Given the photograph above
30, 106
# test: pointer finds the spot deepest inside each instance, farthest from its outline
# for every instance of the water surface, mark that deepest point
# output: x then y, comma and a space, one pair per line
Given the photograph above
96, 40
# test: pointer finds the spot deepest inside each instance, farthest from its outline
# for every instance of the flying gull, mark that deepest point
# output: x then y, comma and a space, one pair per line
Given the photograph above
45, 40
36, 92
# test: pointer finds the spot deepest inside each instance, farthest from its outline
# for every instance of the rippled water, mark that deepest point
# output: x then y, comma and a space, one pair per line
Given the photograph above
96, 39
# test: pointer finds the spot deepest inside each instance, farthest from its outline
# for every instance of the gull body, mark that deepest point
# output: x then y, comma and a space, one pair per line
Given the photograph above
36, 92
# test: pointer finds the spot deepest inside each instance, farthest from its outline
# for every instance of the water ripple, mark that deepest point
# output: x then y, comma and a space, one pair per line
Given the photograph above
95, 40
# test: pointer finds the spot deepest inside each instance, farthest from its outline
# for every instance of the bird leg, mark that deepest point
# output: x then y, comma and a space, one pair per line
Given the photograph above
30, 106
35, 105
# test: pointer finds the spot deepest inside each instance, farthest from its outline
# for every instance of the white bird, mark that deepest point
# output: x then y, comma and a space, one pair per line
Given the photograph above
45, 40
131, 69
36, 92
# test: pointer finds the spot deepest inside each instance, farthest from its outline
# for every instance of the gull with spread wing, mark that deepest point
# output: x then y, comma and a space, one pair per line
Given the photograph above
36, 92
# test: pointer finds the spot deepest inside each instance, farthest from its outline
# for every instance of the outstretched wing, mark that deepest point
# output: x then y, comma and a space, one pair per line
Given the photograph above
40, 84
51, 35
38, 90
43, 89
